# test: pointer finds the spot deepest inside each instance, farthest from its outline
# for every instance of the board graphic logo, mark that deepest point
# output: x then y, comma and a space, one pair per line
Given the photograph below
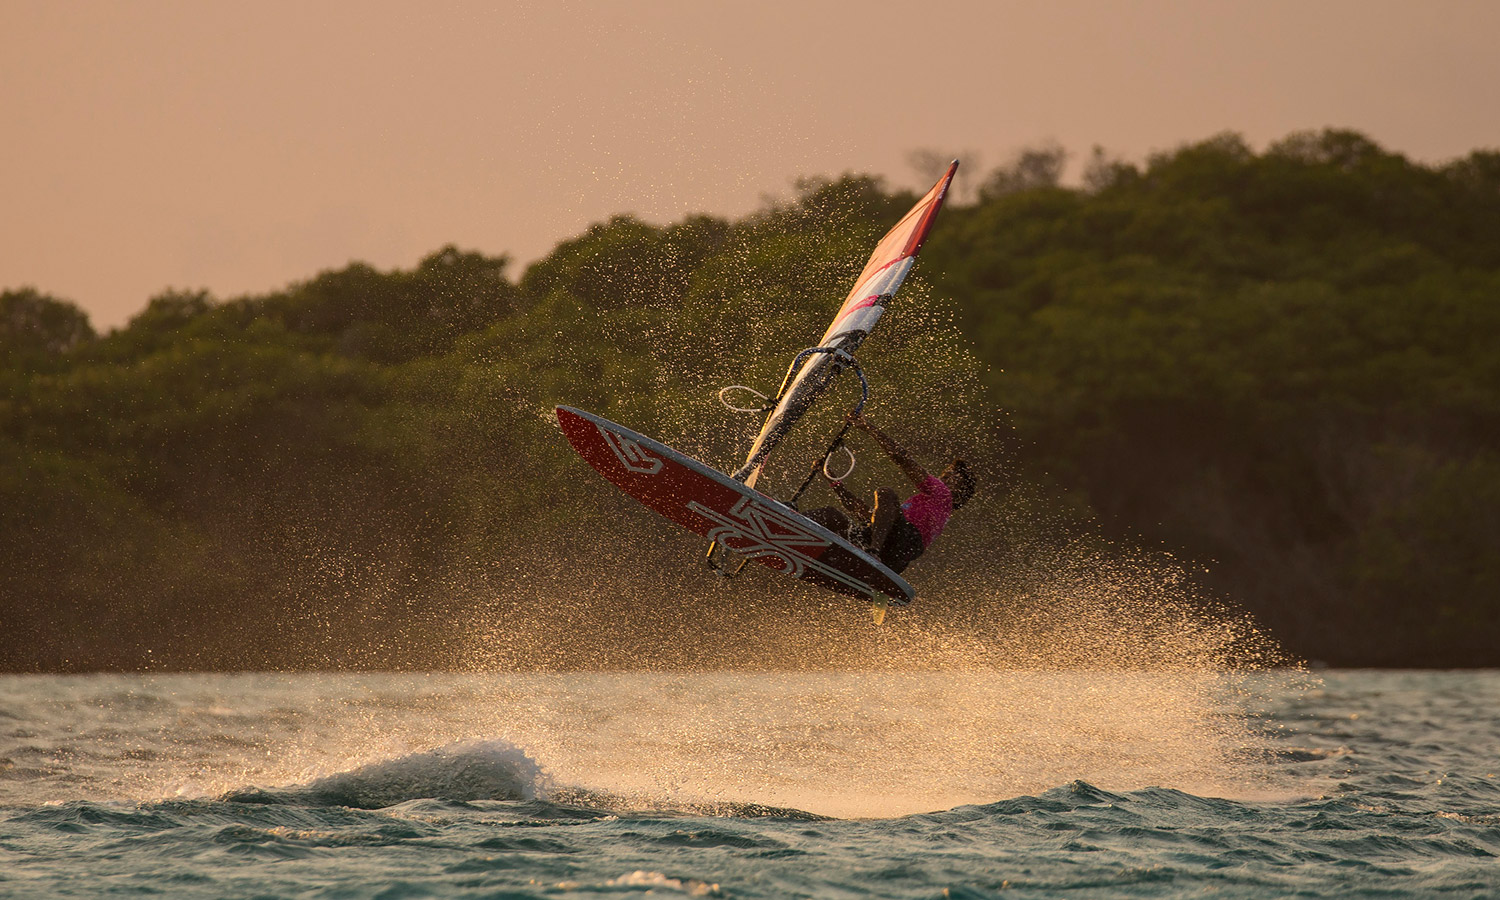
630, 454
759, 533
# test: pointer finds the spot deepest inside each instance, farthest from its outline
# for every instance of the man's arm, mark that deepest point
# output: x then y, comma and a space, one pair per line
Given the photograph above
900, 457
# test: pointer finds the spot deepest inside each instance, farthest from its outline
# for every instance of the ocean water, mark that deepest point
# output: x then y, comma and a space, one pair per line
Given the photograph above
950, 784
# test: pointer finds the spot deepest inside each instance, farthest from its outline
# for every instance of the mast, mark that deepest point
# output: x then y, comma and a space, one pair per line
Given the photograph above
887, 268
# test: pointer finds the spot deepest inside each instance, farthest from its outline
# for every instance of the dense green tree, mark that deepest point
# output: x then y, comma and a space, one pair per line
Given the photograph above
1280, 365
1244, 355
33, 326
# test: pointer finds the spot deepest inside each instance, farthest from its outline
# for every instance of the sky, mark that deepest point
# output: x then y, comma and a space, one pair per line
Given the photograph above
239, 147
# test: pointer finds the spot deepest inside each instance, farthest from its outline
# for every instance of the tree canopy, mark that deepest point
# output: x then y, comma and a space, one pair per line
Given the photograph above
1281, 366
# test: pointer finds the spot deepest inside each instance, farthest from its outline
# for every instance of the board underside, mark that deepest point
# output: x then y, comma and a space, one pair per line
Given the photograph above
705, 501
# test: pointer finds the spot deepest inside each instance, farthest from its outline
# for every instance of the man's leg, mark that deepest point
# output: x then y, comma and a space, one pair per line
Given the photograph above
832, 518
887, 511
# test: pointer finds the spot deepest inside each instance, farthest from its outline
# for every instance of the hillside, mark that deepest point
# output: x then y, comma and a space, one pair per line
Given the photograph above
1278, 372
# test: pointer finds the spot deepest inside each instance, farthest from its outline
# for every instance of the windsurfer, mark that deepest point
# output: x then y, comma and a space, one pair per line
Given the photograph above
898, 532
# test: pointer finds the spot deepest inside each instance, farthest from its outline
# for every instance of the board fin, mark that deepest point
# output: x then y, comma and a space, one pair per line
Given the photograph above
878, 608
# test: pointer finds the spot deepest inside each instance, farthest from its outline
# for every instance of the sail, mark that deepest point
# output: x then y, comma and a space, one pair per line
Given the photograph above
882, 276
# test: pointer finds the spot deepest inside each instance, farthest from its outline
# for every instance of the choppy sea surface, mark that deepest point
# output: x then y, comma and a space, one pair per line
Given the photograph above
969, 784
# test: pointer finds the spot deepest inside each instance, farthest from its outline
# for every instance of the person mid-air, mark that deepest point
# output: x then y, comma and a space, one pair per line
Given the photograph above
743, 523
895, 531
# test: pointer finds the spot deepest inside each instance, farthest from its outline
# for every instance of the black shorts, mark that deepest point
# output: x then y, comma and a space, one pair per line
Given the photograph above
902, 545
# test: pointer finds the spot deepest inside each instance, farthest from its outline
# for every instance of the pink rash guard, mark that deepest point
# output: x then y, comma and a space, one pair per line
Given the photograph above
929, 509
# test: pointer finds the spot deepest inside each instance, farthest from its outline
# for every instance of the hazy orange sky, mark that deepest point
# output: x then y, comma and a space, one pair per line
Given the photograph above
241, 146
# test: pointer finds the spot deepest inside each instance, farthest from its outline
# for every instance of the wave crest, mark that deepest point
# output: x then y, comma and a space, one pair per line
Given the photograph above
483, 770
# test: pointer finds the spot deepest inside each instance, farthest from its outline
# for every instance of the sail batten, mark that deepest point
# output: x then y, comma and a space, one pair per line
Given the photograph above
881, 277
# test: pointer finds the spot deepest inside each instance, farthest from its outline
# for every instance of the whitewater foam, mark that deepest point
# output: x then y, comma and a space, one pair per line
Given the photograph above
1387, 786
488, 770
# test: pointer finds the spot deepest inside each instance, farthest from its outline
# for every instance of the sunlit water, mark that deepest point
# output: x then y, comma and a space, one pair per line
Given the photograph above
751, 785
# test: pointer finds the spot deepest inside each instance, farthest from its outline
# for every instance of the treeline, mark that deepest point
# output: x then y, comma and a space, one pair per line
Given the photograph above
1282, 366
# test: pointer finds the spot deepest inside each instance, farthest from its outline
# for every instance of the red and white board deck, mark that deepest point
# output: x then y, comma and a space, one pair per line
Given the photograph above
708, 502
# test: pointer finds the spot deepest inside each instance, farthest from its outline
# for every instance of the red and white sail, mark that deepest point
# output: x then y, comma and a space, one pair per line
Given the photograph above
882, 276
892, 260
